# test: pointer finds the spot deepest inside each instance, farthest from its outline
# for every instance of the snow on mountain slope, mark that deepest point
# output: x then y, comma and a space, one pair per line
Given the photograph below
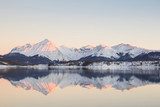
21, 49
47, 49
70, 53
44, 48
105, 51
76, 54
133, 51
87, 48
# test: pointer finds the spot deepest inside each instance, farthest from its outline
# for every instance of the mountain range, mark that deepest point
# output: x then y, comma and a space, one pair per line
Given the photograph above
46, 51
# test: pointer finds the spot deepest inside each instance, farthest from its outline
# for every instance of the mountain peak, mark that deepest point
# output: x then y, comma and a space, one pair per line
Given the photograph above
87, 47
43, 48
45, 45
131, 50
44, 41
102, 46
123, 46
21, 48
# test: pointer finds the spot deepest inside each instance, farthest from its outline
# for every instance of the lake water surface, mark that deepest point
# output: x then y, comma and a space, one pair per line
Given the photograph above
79, 88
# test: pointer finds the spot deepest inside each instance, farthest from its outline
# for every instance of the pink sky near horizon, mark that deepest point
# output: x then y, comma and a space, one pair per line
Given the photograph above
77, 23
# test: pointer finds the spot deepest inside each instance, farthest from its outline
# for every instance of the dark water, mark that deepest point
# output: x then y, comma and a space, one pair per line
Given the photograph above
79, 87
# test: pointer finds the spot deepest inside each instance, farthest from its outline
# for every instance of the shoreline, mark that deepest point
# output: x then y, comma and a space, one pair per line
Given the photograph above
138, 65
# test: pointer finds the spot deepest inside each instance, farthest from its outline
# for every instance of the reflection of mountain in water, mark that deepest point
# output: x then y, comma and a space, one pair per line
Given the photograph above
45, 81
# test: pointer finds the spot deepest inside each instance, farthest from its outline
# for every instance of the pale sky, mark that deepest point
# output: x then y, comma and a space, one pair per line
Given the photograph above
75, 23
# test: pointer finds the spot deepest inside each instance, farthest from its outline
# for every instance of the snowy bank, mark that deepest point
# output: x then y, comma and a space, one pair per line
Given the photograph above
139, 65
41, 66
136, 65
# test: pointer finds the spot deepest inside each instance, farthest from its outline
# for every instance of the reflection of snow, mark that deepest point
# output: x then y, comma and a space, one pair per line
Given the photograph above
50, 82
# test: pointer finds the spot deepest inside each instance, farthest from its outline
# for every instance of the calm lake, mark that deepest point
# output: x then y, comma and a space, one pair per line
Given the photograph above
79, 88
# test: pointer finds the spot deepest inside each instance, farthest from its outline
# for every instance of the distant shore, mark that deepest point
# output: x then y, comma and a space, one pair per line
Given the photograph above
139, 65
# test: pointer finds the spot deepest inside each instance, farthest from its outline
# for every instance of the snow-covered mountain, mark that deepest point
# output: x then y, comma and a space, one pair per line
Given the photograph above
105, 51
44, 48
133, 51
49, 50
